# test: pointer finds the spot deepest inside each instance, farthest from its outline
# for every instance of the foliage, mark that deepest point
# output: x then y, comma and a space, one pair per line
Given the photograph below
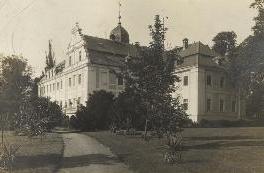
224, 42
38, 116
151, 77
8, 155
96, 114
127, 111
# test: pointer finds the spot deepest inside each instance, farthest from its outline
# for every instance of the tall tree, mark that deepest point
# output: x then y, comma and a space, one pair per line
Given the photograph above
259, 20
247, 61
224, 42
50, 61
152, 77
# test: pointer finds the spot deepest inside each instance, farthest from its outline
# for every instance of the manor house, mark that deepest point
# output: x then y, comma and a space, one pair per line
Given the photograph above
90, 62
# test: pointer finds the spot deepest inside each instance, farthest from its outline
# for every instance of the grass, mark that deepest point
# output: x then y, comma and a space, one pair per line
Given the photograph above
207, 150
36, 156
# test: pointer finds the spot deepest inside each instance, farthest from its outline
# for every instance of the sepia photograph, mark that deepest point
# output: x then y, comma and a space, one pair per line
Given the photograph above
131, 86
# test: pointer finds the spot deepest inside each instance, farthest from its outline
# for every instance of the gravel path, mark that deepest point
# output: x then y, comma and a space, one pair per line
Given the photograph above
83, 154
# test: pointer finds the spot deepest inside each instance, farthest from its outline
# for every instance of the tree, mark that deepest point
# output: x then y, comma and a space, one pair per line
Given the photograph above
224, 42
152, 77
96, 114
247, 62
259, 20
15, 86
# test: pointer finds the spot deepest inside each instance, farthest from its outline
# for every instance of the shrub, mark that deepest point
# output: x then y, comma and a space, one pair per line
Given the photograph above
96, 114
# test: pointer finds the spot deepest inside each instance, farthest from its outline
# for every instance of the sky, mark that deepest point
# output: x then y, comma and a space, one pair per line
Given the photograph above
27, 25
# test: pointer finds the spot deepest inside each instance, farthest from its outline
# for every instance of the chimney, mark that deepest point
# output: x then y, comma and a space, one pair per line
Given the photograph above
185, 43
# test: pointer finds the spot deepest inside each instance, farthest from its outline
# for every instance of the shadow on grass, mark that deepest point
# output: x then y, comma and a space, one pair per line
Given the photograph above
207, 138
226, 145
27, 162
86, 160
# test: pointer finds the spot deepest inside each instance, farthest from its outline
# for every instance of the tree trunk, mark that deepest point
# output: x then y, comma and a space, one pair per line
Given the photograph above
146, 129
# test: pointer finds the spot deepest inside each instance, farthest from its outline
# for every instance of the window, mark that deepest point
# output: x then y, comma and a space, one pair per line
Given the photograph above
222, 82
70, 60
120, 80
61, 84
185, 104
185, 80
97, 78
78, 101
79, 79
74, 79
69, 82
209, 80
61, 104
208, 105
58, 85
50, 88
70, 103
104, 78
221, 106
54, 87
233, 106
80, 55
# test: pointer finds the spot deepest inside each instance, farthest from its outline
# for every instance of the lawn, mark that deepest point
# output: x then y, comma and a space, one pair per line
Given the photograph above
36, 156
207, 150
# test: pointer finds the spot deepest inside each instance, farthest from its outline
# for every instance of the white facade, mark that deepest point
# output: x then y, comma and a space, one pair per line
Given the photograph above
205, 89
70, 82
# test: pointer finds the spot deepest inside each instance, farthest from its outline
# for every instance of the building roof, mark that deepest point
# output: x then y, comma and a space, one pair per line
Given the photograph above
206, 56
108, 52
198, 48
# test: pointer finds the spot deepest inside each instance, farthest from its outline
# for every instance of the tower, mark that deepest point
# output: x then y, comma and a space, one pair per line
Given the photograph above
119, 33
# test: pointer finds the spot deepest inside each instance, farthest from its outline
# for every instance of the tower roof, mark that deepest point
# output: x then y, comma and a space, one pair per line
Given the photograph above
119, 34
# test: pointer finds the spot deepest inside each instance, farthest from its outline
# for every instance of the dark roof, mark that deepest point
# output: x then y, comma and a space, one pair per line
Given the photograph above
197, 54
109, 46
107, 59
119, 34
198, 48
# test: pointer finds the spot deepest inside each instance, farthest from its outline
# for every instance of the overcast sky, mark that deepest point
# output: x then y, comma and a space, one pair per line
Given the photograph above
27, 25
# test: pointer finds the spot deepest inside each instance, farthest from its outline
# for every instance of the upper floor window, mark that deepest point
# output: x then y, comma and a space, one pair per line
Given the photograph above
79, 79
80, 55
185, 80
69, 82
70, 60
61, 84
54, 87
74, 76
58, 85
222, 82
209, 80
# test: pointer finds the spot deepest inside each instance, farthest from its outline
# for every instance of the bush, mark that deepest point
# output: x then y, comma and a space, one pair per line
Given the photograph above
96, 115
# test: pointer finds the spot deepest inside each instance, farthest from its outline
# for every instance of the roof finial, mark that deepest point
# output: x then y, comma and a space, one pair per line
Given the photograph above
119, 17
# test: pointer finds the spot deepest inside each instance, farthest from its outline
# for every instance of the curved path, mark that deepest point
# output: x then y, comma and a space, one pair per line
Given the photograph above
83, 154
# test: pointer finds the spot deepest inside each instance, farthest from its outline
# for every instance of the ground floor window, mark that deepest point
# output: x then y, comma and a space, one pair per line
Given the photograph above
233, 106
221, 106
208, 105
185, 104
